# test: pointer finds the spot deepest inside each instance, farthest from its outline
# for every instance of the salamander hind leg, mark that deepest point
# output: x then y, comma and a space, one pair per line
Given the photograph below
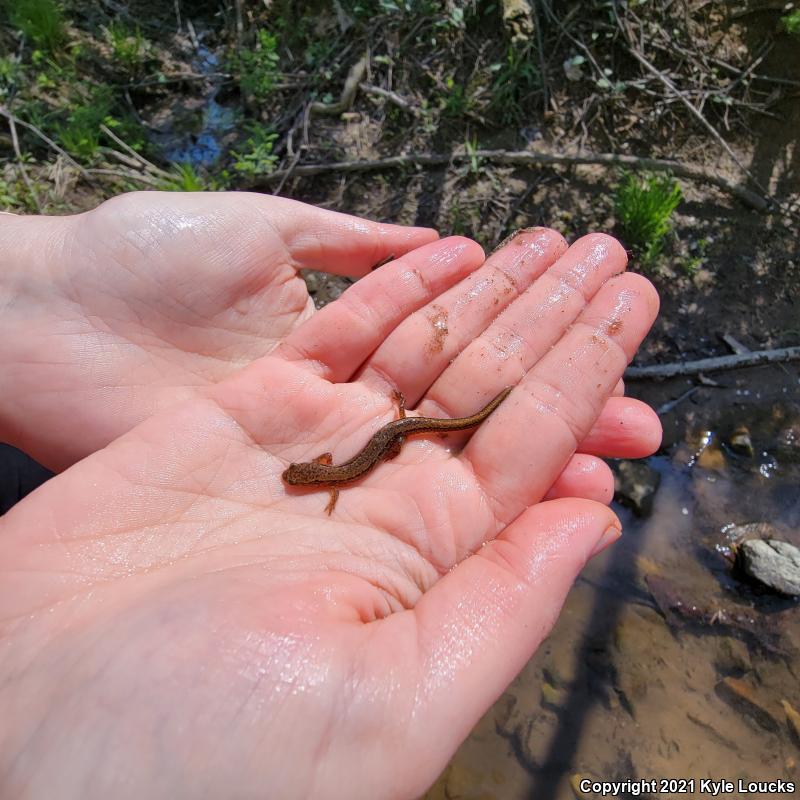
334, 493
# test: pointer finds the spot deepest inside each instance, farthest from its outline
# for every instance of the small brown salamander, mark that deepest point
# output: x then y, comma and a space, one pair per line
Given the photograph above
385, 443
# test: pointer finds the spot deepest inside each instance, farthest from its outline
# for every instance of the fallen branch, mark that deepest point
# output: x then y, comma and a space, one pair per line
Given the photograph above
141, 177
15, 141
392, 97
681, 96
751, 359
528, 158
354, 77
137, 158
4, 112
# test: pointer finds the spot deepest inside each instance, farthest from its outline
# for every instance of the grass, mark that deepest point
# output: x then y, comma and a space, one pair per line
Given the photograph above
791, 22
128, 46
643, 206
42, 21
184, 178
515, 80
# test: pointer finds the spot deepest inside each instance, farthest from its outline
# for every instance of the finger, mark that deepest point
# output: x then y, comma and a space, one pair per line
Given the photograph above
422, 346
560, 399
337, 339
337, 243
586, 477
626, 428
481, 623
619, 389
528, 328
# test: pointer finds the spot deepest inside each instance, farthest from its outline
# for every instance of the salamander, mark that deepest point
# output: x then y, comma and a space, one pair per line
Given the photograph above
384, 444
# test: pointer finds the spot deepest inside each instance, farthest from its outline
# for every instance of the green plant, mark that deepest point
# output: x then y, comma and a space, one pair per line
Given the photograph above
184, 178
10, 73
128, 47
257, 157
15, 193
471, 146
80, 133
42, 21
515, 80
456, 101
258, 68
692, 264
643, 206
791, 22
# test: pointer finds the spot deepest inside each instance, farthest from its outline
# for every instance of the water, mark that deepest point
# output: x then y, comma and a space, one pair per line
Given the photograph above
196, 127
662, 664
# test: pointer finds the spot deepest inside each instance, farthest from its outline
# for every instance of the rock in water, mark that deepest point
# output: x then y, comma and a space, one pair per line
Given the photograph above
773, 563
740, 442
635, 485
745, 698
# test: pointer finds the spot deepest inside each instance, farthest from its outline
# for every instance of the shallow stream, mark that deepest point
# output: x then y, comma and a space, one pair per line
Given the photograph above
664, 664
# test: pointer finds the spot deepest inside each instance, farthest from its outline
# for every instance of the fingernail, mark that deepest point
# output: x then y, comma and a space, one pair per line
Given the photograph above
612, 533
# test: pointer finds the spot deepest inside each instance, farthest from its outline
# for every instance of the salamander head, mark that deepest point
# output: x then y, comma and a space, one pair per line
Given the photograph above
303, 474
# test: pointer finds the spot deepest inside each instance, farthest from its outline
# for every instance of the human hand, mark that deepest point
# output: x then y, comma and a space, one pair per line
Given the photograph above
111, 315
114, 314
175, 622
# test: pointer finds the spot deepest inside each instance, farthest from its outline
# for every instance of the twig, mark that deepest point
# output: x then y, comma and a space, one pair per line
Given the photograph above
142, 177
670, 404
535, 158
136, 156
715, 364
296, 157
686, 102
537, 23
392, 97
4, 112
15, 142
354, 78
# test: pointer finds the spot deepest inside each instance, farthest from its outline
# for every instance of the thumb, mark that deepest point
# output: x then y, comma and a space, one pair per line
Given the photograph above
480, 624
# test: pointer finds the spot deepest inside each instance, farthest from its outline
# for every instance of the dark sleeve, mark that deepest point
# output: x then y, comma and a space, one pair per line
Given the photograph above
19, 475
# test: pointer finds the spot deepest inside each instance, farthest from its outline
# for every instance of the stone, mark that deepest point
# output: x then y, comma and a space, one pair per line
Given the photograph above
732, 656
461, 781
575, 781
740, 442
533, 738
771, 563
635, 485
508, 715
792, 721
750, 530
553, 697
712, 458
743, 697
561, 667
702, 720
312, 281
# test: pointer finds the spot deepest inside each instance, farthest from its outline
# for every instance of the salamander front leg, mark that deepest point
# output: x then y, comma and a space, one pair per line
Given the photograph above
334, 493
401, 404
327, 459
